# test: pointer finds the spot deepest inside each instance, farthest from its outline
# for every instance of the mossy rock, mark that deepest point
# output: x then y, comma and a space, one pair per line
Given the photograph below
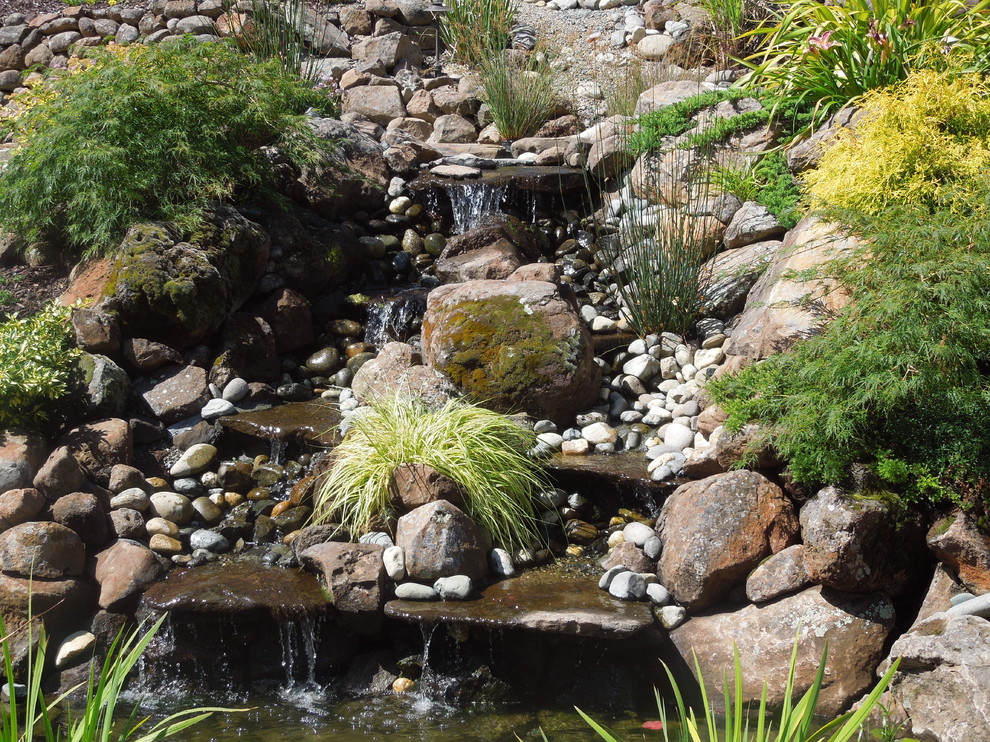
178, 288
515, 346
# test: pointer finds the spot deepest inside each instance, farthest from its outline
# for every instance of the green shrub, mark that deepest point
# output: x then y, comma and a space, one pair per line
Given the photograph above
483, 451
521, 90
150, 133
920, 143
740, 723
475, 30
901, 372
37, 363
779, 191
829, 54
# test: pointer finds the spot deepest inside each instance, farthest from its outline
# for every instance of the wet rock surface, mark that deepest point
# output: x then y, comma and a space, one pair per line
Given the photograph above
544, 601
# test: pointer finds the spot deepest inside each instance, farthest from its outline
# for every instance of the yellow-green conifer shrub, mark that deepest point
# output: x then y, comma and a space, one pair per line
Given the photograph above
918, 143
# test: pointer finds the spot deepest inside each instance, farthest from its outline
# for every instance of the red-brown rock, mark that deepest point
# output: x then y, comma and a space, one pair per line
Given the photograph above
440, 540
355, 577
20, 506
124, 571
413, 485
958, 543
717, 530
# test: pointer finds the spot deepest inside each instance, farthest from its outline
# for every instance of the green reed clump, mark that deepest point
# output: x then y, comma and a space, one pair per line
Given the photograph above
475, 30
521, 91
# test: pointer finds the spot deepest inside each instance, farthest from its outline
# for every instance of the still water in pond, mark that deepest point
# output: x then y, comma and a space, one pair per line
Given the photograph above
310, 716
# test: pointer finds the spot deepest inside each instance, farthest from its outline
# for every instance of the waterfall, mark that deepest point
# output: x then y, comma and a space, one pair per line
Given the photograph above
393, 317
471, 202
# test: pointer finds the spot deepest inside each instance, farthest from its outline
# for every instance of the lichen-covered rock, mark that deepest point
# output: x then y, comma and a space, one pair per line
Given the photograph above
512, 346
717, 530
942, 686
177, 289
43, 550
854, 627
106, 386
861, 545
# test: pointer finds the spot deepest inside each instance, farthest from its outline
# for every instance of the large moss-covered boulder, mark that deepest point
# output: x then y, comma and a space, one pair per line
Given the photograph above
515, 346
177, 288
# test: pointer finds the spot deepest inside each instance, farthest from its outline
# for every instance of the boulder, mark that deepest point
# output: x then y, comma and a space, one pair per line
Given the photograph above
515, 345
398, 367
943, 588
43, 550
124, 571
453, 128
958, 543
942, 685
498, 260
106, 386
413, 485
631, 557
145, 355
99, 446
355, 577
781, 574
717, 530
22, 452
781, 309
60, 474
290, 318
854, 628
752, 223
95, 331
668, 93
378, 103
20, 506
354, 177
84, 514
861, 545
247, 351
733, 274
175, 394
177, 288
440, 540
386, 50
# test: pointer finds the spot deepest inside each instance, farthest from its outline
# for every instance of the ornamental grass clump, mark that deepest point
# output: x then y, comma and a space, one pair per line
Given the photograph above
829, 54
485, 452
521, 90
152, 132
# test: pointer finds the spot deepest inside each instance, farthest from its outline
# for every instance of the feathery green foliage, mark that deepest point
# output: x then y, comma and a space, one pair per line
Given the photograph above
56, 721
828, 54
37, 362
475, 30
794, 724
483, 451
521, 90
151, 132
900, 376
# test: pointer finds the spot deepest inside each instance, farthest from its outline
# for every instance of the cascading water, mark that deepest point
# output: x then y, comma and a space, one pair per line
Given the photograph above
471, 202
394, 317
